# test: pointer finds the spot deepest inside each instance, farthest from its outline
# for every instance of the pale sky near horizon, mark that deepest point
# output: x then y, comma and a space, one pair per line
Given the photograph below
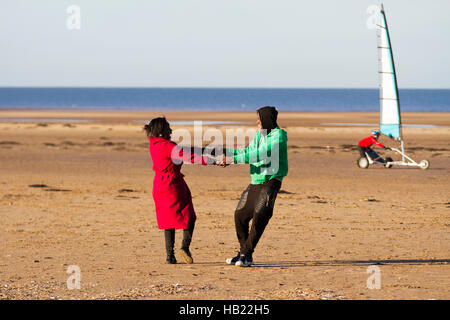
228, 43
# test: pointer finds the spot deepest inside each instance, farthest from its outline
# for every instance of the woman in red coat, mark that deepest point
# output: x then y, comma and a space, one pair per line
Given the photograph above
173, 201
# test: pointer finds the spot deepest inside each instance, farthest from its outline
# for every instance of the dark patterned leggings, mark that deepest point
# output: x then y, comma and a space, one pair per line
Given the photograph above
257, 202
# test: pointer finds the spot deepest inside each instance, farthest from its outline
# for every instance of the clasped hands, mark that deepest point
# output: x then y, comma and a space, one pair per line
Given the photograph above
223, 161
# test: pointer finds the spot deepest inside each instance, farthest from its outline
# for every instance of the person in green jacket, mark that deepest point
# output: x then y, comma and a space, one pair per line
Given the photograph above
267, 157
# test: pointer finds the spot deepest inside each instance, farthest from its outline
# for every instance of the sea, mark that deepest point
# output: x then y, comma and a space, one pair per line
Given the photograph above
219, 99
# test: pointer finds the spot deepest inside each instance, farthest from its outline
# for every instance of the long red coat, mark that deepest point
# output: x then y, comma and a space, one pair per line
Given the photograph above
173, 200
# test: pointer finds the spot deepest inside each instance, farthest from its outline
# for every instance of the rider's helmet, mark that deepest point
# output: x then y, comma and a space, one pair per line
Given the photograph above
375, 133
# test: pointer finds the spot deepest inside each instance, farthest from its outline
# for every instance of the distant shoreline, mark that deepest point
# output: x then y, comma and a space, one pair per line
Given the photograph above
245, 118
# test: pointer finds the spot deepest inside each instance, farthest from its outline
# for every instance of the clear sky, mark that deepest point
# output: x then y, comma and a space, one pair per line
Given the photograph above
227, 43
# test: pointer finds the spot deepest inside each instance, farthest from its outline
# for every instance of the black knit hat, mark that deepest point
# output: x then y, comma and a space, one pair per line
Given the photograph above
268, 116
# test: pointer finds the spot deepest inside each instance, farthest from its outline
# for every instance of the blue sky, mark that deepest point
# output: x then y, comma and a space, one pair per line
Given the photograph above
209, 43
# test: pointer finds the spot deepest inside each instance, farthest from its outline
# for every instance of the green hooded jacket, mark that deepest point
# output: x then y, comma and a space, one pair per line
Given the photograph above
266, 154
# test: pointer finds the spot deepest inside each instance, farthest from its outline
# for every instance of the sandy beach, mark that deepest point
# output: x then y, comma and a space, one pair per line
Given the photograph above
76, 189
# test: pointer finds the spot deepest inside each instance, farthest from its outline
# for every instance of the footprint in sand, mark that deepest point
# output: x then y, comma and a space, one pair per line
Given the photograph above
109, 143
9, 143
348, 147
68, 143
121, 197
285, 192
38, 186
48, 188
370, 200
57, 190
316, 199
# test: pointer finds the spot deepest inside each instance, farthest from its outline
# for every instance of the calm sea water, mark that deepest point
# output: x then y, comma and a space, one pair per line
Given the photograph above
320, 100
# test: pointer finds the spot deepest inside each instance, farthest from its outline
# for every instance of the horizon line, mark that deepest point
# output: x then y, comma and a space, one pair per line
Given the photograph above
200, 87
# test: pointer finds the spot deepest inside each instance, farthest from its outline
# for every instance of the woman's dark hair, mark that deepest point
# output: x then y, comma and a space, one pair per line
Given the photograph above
156, 127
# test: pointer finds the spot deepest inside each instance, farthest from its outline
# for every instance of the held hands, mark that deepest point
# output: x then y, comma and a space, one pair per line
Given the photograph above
223, 161
227, 161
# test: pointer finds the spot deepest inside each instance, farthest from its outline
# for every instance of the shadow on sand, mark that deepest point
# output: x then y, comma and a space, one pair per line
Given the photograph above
295, 264
337, 263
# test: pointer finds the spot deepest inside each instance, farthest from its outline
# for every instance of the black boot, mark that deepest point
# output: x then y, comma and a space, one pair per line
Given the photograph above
186, 255
169, 235
187, 238
171, 259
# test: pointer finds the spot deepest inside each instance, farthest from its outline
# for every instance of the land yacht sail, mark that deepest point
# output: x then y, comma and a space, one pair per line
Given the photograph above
390, 120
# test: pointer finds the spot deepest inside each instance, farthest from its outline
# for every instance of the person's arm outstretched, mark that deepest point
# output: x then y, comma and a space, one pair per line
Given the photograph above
375, 141
189, 155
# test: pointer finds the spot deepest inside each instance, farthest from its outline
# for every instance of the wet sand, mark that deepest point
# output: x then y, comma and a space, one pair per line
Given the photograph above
79, 193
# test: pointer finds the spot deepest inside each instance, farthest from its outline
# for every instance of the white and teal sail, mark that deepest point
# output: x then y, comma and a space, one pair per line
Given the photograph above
390, 121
